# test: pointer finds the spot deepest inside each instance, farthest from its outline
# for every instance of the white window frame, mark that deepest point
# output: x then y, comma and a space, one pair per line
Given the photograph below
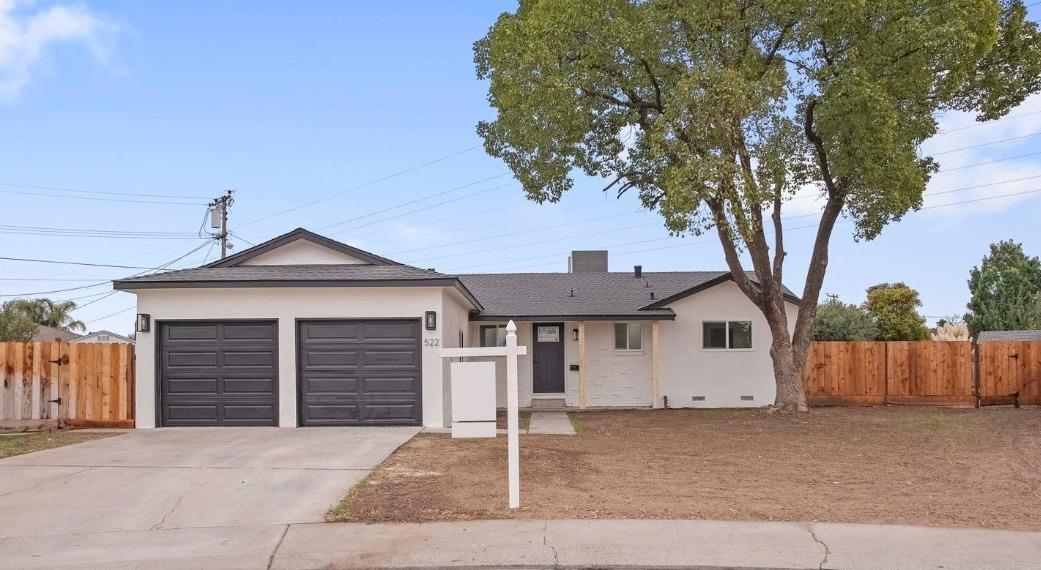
728, 348
614, 337
500, 333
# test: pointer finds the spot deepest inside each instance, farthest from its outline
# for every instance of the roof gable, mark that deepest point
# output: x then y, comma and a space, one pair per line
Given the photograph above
708, 284
302, 247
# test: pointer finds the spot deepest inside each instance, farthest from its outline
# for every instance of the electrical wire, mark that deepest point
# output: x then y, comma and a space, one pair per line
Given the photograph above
360, 186
78, 191
98, 199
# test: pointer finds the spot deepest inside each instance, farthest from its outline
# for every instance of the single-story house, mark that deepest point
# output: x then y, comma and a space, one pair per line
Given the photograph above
102, 336
303, 330
1004, 336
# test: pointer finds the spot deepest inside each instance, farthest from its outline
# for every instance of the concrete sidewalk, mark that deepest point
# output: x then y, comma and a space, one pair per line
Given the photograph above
535, 544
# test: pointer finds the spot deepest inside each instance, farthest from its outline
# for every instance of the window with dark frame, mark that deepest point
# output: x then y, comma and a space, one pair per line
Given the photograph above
726, 335
493, 335
628, 336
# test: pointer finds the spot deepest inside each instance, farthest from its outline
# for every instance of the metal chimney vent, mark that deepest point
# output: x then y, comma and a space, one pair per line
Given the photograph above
594, 261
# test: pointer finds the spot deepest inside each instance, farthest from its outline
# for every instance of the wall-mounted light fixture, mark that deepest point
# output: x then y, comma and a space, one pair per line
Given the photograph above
430, 320
144, 322
574, 334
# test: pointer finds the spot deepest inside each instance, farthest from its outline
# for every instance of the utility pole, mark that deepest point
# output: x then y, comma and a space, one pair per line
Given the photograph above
219, 219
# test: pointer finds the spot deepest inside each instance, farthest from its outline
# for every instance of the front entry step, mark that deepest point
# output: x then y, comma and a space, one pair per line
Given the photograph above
547, 404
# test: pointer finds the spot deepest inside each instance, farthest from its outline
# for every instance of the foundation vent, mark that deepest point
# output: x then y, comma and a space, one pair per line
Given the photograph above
697, 398
748, 398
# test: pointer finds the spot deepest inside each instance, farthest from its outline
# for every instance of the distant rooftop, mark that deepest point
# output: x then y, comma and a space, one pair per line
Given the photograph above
990, 336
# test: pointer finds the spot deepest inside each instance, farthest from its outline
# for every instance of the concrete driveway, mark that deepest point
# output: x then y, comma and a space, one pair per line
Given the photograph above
249, 482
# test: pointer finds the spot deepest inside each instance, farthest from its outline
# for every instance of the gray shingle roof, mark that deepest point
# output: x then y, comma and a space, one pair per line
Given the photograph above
986, 336
287, 273
510, 295
45, 333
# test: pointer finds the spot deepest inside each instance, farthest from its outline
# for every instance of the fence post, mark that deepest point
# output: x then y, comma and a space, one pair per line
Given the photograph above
974, 361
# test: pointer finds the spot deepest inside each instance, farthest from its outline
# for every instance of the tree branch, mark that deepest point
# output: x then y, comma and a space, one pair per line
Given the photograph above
819, 150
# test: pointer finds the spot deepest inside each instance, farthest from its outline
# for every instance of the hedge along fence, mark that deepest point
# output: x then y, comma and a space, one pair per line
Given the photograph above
938, 373
50, 384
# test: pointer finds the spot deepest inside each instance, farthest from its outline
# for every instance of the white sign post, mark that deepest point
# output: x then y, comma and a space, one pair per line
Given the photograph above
511, 351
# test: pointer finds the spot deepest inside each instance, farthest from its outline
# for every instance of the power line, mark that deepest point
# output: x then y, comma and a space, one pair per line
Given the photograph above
411, 202
96, 231
980, 145
124, 200
361, 186
119, 312
624, 244
83, 263
438, 205
78, 191
988, 123
975, 164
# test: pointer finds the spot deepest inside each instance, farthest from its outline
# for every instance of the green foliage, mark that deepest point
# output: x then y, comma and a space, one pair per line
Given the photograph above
841, 321
712, 110
894, 309
1005, 290
15, 325
49, 313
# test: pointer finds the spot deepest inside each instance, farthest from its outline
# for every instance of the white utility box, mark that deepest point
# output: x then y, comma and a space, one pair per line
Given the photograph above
473, 399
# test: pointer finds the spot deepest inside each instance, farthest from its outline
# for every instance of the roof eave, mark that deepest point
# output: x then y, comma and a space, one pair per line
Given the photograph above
298, 234
670, 316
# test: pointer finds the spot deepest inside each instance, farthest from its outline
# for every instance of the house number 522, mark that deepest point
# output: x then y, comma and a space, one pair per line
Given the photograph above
431, 342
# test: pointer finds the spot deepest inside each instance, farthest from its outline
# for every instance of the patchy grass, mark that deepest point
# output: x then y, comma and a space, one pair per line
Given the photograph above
524, 418
575, 424
20, 443
924, 466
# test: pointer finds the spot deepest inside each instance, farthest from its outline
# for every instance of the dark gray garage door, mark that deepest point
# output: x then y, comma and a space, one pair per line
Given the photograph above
218, 373
359, 372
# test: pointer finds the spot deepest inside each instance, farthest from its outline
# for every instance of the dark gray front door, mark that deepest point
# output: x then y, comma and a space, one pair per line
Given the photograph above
548, 358
360, 372
218, 373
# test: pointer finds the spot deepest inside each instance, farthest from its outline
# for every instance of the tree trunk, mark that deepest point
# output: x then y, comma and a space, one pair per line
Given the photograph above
791, 395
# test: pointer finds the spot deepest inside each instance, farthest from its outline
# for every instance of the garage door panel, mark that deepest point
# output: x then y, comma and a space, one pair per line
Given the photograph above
243, 359
263, 386
242, 332
218, 373
186, 332
330, 357
330, 330
389, 412
331, 385
384, 331
192, 386
364, 372
192, 359
387, 357
190, 414
391, 385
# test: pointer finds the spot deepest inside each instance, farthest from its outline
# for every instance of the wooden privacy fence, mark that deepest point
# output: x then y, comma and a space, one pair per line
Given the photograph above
1010, 373
56, 383
936, 373
874, 373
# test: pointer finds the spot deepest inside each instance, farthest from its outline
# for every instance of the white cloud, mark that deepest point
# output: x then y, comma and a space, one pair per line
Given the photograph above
27, 32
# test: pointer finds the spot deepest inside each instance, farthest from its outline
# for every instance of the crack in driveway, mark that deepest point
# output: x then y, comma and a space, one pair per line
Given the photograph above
827, 551
36, 486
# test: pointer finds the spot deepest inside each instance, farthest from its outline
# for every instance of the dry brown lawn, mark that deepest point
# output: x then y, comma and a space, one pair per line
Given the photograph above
922, 466
18, 443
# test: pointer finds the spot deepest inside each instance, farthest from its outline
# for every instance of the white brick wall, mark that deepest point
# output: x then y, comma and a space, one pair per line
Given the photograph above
613, 377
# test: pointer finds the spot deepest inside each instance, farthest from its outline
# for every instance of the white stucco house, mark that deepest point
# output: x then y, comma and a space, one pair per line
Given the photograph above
303, 330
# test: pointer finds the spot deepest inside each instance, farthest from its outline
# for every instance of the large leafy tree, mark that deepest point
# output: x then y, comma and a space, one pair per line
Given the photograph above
15, 325
717, 113
842, 321
1005, 290
894, 309
56, 314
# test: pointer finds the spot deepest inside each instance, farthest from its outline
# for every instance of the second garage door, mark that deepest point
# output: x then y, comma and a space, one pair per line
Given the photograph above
359, 372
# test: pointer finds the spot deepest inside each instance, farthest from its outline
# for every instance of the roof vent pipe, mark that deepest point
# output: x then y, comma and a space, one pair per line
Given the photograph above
652, 295
572, 293
638, 271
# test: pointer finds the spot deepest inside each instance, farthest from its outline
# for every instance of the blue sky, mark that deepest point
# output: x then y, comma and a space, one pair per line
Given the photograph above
293, 103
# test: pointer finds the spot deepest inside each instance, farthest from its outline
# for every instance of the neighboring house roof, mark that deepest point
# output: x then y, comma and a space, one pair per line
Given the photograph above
45, 333
589, 295
116, 337
987, 336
